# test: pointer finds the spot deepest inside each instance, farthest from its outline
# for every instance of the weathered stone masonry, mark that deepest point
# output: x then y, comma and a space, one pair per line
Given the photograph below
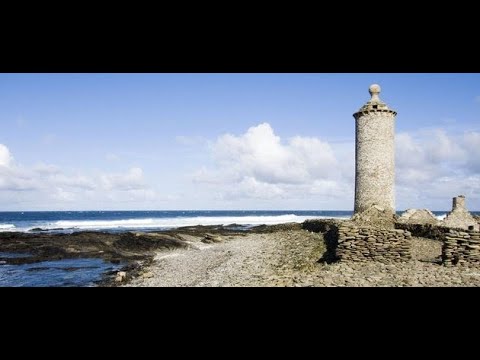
389, 239
460, 217
374, 154
362, 243
461, 248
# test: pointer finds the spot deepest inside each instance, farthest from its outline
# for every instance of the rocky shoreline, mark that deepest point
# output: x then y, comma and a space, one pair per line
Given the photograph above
133, 250
293, 258
277, 255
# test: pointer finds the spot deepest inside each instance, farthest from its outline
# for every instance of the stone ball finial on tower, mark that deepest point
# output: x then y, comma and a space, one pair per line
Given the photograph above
374, 88
375, 103
374, 91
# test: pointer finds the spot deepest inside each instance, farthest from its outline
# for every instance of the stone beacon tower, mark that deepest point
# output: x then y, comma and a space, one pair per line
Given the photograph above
375, 155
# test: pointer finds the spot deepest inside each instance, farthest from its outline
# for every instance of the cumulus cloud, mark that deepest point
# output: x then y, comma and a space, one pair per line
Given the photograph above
47, 182
249, 187
5, 156
259, 165
433, 166
471, 146
260, 154
63, 195
11, 176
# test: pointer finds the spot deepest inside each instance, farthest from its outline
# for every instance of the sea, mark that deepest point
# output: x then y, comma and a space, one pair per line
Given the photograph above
87, 272
71, 221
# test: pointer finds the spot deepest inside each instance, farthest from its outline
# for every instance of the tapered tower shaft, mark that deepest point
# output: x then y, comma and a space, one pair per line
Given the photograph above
374, 154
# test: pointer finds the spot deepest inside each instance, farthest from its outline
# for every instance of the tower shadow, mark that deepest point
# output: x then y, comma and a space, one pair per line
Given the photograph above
330, 237
329, 230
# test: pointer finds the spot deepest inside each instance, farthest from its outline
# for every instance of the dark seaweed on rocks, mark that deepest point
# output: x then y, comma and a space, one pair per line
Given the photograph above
133, 249
148, 242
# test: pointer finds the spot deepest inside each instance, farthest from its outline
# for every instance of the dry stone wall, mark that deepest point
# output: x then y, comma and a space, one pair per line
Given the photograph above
362, 243
461, 248
321, 225
428, 231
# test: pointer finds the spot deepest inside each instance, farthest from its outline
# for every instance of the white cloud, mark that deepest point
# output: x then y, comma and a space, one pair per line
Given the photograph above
258, 165
259, 169
76, 181
330, 188
5, 156
472, 150
427, 155
13, 177
47, 183
132, 180
439, 147
250, 187
260, 154
433, 166
63, 195
46, 169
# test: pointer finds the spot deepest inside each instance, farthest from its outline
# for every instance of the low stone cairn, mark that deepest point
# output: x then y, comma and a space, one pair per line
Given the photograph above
364, 243
461, 247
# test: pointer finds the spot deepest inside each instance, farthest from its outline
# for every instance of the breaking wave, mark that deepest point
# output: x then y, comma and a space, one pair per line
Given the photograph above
6, 227
156, 223
441, 217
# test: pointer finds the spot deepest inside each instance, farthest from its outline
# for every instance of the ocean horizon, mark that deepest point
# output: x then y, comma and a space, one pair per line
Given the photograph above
150, 220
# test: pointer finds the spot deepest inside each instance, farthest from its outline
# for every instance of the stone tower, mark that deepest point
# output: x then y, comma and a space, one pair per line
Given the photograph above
375, 155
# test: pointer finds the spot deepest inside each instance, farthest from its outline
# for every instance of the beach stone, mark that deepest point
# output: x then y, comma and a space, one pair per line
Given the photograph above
121, 276
211, 238
148, 275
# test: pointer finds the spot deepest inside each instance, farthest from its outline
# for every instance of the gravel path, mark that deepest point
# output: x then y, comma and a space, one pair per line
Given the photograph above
289, 258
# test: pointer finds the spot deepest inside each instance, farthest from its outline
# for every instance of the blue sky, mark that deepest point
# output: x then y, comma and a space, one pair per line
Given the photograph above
228, 141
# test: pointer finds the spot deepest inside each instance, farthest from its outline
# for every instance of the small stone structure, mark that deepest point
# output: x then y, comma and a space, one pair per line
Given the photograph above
363, 243
460, 217
418, 216
461, 248
375, 155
